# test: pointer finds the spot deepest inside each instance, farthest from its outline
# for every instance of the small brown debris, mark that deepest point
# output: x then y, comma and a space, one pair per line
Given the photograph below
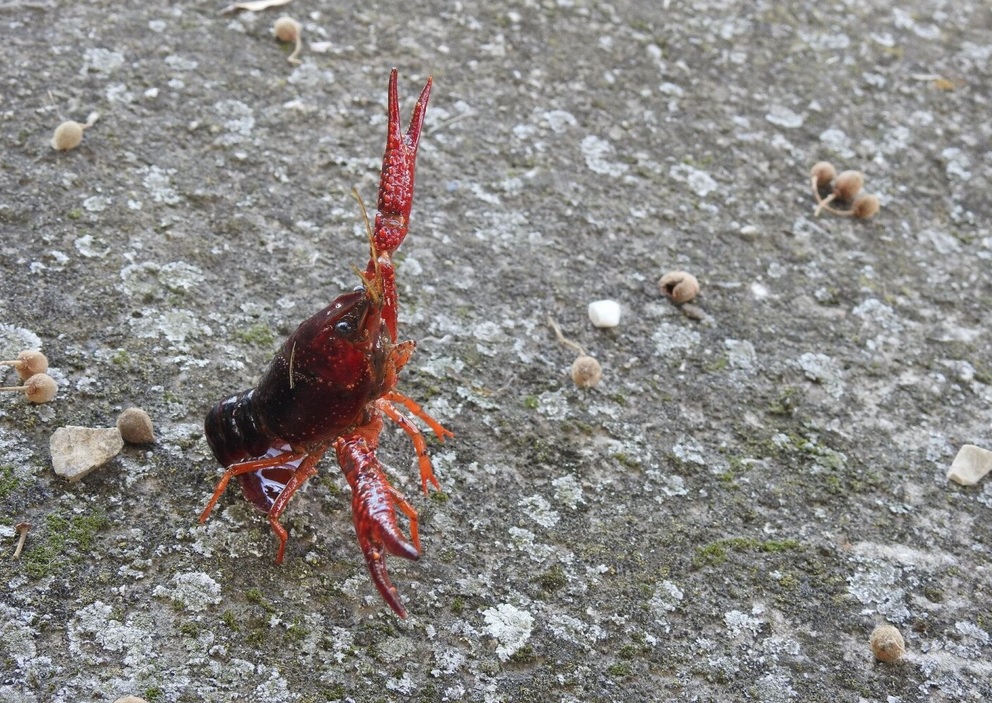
865, 206
586, 372
847, 186
40, 388
69, 134
822, 175
887, 643
22, 528
136, 426
680, 286
28, 363
287, 29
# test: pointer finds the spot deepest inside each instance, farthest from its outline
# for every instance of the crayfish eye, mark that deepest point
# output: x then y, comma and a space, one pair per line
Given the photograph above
345, 328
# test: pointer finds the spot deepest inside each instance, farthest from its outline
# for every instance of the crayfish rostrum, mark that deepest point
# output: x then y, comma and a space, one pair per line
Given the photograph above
330, 386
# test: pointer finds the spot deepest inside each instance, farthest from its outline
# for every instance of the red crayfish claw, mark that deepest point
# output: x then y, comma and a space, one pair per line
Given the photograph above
398, 169
373, 510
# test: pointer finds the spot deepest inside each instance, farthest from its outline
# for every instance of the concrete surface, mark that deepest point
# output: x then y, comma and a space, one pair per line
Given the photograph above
725, 517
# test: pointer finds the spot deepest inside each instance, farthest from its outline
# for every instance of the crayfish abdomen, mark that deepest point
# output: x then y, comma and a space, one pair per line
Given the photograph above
330, 386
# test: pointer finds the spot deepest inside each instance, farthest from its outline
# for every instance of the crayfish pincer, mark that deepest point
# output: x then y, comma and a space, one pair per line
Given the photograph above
330, 386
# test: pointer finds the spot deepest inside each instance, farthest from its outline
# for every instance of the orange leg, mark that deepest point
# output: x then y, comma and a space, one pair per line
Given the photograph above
303, 473
246, 467
417, 437
414, 407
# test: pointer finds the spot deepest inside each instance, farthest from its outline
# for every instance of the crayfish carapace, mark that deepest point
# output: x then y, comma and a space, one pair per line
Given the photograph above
330, 386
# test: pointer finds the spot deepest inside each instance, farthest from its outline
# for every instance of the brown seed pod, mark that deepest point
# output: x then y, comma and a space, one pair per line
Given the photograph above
821, 176
40, 388
865, 206
586, 372
288, 30
887, 643
68, 135
28, 363
848, 185
136, 426
680, 286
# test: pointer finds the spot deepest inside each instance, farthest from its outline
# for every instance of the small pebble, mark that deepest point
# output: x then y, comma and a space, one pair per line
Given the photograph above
604, 313
887, 643
130, 699
77, 451
970, 465
136, 426
586, 372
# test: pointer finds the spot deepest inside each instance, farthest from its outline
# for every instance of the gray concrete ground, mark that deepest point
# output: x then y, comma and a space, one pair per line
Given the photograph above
725, 517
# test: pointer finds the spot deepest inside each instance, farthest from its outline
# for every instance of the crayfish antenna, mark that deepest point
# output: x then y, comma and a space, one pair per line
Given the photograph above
374, 284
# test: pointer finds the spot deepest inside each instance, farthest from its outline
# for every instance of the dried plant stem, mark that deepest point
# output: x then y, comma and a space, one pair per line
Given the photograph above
23, 528
563, 339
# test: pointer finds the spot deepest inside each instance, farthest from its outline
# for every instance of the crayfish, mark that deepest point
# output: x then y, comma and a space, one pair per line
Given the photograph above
330, 386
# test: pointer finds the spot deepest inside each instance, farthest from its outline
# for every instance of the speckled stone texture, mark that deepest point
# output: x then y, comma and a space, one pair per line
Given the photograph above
726, 516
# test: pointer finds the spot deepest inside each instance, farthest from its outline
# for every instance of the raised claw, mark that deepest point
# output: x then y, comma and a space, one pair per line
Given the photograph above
395, 200
373, 510
398, 169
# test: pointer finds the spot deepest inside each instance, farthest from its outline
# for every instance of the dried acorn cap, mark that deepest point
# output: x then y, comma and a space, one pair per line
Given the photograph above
865, 206
680, 286
586, 371
136, 426
28, 363
847, 185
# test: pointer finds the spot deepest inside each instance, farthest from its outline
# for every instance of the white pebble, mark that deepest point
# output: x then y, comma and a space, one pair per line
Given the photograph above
970, 465
76, 451
604, 313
